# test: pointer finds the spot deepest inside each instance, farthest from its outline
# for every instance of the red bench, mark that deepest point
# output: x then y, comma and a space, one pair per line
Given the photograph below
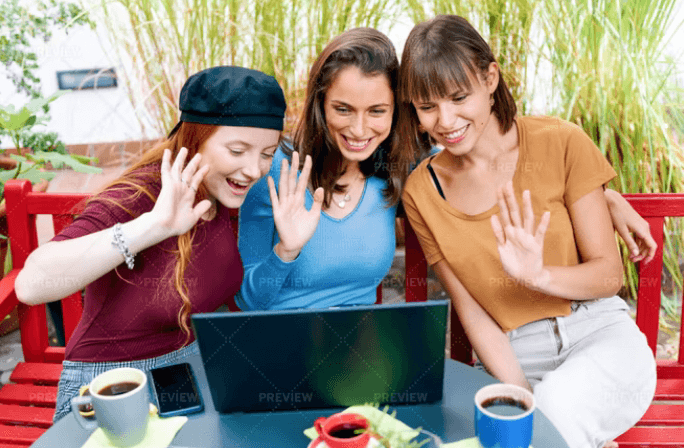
27, 405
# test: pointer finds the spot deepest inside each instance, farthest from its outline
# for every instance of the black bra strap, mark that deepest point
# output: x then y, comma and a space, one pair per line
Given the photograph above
434, 177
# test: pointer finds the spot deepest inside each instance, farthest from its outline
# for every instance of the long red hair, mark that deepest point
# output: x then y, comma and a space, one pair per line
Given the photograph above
137, 180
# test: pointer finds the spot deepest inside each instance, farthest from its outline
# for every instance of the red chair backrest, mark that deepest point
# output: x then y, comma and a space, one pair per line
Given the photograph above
654, 208
22, 207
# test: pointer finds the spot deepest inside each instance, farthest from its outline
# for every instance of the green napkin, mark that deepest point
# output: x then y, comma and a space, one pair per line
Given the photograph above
160, 433
465, 443
386, 424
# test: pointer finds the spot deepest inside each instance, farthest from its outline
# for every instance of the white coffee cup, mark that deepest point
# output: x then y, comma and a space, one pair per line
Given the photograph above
121, 403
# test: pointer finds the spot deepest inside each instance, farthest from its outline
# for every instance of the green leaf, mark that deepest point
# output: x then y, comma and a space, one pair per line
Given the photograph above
8, 257
18, 158
7, 175
38, 103
13, 121
85, 159
57, 158
34, 175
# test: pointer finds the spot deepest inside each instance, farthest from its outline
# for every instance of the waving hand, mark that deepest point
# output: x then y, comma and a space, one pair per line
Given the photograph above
175, 206
521, 247
295, 224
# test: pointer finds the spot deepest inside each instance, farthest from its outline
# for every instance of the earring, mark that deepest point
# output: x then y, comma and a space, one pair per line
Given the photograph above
491, 100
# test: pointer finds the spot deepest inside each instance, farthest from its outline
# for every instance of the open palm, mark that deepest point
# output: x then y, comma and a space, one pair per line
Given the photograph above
521, 248
294, 223
175, 205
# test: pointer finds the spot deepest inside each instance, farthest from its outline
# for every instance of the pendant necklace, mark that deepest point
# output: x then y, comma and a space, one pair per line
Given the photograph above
346, 198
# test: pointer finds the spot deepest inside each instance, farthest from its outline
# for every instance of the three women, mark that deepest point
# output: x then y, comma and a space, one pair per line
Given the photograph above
330, 241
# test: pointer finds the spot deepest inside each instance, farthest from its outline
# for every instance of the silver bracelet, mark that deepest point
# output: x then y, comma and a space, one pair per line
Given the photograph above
120, 244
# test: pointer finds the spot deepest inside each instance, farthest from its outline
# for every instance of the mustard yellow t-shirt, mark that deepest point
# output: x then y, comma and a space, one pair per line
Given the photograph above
559, 164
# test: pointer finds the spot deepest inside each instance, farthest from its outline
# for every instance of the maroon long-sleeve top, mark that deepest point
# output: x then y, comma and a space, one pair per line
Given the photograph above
133, 314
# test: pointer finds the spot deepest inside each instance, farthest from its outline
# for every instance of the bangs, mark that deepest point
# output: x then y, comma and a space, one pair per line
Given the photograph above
436, 72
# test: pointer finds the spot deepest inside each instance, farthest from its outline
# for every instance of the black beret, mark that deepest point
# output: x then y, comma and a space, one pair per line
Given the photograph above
233, 96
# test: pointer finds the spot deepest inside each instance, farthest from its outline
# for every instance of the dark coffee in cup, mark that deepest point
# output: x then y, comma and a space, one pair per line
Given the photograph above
346, 431
506, 406
121, 406
118, 388
343, 430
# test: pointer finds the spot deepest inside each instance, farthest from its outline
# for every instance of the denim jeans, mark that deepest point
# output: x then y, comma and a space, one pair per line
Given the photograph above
76, 374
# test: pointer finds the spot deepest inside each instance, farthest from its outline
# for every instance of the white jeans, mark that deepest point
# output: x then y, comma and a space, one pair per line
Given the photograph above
592, 372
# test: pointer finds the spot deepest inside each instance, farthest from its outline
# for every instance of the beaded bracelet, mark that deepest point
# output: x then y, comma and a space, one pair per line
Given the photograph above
120, 244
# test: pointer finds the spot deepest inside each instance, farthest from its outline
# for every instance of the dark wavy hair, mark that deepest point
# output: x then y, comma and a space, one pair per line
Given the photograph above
373, 53
439, 54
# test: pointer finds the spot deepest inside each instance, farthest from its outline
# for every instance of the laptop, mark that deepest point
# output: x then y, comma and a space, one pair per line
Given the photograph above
320, 358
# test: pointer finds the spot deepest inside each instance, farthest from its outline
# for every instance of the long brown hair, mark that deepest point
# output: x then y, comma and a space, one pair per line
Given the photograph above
136, 180
438, 55
373, 53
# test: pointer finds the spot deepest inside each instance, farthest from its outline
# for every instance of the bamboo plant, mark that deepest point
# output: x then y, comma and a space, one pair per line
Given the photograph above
612, 77
168, 40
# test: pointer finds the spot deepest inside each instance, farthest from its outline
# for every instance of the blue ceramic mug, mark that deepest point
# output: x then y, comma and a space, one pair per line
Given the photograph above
503, 416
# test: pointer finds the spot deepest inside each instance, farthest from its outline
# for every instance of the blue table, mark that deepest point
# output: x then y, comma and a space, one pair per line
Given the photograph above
452, 420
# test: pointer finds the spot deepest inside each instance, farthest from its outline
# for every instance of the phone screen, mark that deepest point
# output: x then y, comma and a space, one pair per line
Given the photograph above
176, 390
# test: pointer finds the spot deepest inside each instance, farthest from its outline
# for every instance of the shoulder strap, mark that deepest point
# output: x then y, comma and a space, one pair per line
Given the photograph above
434, 178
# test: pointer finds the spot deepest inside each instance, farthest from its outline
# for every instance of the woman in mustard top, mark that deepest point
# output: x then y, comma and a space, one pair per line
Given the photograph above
533, 284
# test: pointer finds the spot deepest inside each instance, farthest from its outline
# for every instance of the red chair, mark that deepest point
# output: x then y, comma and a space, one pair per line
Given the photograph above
663, 424
27, 405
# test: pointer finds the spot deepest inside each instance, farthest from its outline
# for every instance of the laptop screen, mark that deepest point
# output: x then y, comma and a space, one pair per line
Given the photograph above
318, 358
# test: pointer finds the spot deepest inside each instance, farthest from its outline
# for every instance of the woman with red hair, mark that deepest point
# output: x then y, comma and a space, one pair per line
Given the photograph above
157, 243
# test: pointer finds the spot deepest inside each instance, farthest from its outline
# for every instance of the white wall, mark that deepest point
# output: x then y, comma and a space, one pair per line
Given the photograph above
85, 116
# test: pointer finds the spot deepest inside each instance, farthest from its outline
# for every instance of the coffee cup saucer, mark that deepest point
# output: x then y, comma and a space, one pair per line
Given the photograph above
319, 443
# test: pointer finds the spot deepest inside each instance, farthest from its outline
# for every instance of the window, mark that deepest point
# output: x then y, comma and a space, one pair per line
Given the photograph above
95, 78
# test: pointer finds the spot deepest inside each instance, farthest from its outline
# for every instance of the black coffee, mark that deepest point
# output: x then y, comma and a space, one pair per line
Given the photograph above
118, 388
346, 431
505, 406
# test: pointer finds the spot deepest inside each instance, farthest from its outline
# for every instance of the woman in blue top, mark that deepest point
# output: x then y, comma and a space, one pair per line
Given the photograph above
302, 258
356, 178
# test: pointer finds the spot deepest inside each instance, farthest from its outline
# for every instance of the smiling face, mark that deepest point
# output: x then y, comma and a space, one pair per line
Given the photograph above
358, 112
458, 120
237, 157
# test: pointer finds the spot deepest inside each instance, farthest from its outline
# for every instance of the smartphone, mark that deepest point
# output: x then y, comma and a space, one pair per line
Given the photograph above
176, 390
